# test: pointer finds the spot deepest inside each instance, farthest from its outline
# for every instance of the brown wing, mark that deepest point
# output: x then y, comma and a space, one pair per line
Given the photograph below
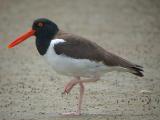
78, 48
81, 48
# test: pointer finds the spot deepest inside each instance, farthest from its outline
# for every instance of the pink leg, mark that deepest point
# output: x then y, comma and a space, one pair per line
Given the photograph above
78, 112
71, 84
80, 97
68, 87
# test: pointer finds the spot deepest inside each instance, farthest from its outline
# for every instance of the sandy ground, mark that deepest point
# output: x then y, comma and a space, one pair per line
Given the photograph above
30, 89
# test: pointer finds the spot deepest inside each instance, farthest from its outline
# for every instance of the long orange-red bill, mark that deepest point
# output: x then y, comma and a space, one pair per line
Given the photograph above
21, 38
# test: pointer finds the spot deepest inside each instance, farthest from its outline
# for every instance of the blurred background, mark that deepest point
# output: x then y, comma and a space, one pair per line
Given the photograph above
30, 89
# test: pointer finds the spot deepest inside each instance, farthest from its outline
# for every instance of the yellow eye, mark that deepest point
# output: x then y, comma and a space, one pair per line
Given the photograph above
40, 24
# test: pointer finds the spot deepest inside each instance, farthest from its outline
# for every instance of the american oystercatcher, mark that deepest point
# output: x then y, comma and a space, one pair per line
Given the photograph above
75, 56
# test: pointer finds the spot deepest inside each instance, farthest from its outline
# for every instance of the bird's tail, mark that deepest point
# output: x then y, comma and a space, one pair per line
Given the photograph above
137, 70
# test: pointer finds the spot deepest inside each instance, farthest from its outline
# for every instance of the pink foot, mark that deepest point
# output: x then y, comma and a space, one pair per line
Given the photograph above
72, 113
69, 86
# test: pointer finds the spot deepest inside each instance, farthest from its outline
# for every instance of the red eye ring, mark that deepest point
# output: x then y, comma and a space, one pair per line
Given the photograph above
40, 24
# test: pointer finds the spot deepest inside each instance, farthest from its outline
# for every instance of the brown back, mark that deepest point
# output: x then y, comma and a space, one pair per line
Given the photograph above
80, 48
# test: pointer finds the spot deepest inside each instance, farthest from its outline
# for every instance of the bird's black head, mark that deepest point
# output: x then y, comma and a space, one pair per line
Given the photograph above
44, 28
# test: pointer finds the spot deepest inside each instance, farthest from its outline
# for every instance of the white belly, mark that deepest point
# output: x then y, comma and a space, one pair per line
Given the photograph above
70, 66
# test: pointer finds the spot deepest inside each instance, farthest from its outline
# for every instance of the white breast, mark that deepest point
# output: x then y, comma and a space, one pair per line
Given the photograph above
70, 66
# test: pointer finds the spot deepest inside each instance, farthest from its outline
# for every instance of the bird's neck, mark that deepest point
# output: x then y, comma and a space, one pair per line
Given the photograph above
43, 40
42, 45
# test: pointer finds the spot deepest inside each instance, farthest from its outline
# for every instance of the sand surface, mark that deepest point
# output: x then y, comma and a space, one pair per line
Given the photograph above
30, 89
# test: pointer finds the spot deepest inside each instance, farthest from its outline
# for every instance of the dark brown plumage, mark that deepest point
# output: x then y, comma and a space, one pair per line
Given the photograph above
81, 48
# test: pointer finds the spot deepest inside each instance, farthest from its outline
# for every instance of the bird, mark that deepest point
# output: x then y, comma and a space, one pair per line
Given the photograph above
75, 56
